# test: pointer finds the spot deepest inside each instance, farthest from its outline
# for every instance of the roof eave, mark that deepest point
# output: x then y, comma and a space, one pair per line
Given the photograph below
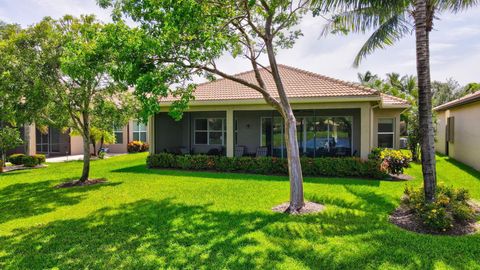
260, 101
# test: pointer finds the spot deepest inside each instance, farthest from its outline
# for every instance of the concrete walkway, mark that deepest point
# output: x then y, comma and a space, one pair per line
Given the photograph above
74, 157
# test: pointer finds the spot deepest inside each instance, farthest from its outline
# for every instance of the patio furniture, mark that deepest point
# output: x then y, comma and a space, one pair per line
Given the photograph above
261, 152
240, 150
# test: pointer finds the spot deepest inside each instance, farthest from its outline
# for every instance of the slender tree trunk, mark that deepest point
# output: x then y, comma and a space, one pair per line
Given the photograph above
425, 100
294, 165
86, 149
291, 142
94, 144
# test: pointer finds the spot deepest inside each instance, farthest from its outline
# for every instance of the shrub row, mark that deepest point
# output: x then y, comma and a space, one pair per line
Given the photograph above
137, 146
334, 167
393, 161
27, 161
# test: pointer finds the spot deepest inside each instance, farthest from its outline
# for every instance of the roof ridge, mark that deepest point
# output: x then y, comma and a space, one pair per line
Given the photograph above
321, 76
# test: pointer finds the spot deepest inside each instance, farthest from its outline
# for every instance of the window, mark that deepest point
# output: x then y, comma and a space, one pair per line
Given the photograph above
210, 131
118, 132
450, 129
139, 131
386, 132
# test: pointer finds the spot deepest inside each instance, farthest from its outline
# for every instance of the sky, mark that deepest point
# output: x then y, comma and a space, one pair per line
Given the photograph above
455, 43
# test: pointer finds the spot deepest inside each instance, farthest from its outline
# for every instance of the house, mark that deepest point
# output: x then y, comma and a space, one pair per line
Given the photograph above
54, 142
335, 118
458, 129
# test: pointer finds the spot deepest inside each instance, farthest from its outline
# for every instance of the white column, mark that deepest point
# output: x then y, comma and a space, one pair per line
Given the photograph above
32, 142
230, 133
365, 136
151, 134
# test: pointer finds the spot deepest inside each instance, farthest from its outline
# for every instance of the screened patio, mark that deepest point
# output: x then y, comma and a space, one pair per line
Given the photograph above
332, 132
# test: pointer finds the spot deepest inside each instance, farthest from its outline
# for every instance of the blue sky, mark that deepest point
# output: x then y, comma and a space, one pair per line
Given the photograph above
455, 43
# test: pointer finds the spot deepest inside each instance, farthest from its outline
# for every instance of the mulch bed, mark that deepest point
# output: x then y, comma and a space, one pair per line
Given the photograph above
405, 219
77, 183
309, 208
21, 167
400, 177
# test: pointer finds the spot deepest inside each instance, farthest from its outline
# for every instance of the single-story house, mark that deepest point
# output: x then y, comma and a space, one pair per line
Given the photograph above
458, 129
335, 118
54, 142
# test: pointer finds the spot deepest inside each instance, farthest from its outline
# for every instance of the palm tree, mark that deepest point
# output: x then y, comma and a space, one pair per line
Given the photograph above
392, 20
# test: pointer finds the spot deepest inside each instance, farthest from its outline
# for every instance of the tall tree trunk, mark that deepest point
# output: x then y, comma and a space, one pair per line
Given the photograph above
86, 149
425, 99
294, 165
94, 144
291, 142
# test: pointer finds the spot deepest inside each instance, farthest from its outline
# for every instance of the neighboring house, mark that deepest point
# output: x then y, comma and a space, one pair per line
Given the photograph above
57, 143
458, 129
335, 118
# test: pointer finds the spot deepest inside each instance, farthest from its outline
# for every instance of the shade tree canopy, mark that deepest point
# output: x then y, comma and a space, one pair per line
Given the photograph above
177, 41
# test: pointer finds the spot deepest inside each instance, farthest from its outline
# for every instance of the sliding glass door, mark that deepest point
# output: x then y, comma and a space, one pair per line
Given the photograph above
317, 135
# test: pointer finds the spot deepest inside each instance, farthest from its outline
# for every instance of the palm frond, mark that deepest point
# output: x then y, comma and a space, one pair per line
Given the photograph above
454, 5
386, 34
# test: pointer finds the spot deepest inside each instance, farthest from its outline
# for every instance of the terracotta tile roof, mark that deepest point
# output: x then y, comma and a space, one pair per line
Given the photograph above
298, 84
388, 100
458, 102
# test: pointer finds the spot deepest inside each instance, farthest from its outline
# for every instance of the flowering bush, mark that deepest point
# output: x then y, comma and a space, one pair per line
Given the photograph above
335, 167
450, 205
137, 146
392, 161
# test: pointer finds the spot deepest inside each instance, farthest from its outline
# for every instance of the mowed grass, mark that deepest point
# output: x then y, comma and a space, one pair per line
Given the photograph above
153, 219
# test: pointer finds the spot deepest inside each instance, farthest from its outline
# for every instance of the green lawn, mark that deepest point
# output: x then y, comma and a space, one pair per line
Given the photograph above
151, 219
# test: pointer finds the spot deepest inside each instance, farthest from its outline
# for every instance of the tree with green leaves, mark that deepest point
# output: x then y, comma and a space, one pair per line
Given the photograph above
177, 40
391, 21
9, 139
79, 81
403, 87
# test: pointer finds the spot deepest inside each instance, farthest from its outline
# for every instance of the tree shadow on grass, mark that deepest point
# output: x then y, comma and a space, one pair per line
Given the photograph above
462, 167
244, 176
165, 234
31, 199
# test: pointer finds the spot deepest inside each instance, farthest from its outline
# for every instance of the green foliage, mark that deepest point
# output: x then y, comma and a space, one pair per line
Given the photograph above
137, 147
9, 139
40, 158
27, 161
16, 159
393, 161
450, 206
334, 167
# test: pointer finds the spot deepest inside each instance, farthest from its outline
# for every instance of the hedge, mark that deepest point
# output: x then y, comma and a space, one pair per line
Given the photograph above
327, 166
27, 161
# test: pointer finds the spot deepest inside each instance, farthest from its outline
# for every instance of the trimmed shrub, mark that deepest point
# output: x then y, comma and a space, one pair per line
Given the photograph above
392, 161
40, 158
16, 159
30, 161
137, 147
334, 167
451, 205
